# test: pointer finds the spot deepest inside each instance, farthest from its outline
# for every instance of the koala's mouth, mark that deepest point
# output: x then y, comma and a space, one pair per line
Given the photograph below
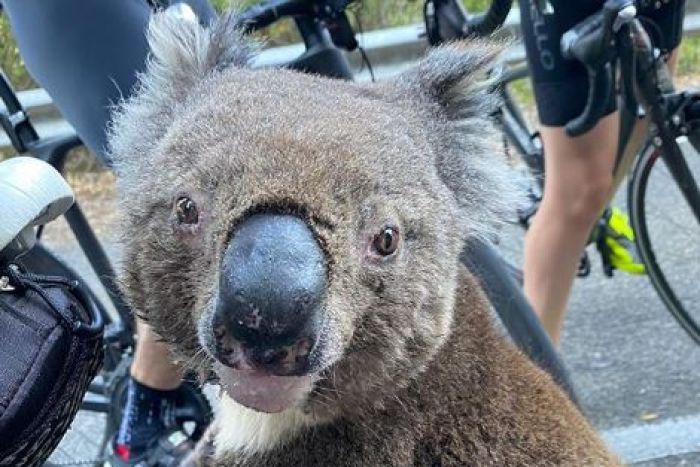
270, 382
267, 382
262, 391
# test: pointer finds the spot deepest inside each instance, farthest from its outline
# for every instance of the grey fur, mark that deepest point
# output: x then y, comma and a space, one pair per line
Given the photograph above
452, 76
414, 373
182, 53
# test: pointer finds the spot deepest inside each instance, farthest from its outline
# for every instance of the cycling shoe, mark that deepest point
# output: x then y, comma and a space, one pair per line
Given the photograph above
166, 451
620, 249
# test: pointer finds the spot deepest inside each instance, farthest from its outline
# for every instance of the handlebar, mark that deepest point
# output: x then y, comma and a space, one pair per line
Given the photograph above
591, 43
447, 20
310, 15
265, 13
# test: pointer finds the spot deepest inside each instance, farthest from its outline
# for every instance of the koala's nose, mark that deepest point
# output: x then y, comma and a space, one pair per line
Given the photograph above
272, 283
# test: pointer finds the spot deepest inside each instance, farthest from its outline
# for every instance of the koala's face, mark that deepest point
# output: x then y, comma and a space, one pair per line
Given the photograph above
300, 236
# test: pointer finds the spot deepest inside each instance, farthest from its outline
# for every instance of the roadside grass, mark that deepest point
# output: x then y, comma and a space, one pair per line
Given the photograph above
689, 63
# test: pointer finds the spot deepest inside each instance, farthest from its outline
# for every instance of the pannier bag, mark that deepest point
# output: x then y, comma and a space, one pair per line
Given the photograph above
50, 350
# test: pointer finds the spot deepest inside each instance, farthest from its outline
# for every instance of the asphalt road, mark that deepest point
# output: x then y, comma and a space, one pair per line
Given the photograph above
635, 370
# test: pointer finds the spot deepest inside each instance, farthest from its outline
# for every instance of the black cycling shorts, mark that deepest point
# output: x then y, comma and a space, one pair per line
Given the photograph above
560, 85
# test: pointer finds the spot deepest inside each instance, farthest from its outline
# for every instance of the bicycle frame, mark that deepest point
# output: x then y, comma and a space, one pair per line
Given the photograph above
513, 123
655, 91
321, 56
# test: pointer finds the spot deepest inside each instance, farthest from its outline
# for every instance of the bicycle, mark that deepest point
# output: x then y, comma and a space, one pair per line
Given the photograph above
325, 29
609, 40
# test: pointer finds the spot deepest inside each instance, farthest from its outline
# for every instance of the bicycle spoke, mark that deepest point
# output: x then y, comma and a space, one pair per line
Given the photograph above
678, 167
659, 204
668, 233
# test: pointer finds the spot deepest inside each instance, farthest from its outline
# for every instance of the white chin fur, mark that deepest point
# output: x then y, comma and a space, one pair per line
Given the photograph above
248, 432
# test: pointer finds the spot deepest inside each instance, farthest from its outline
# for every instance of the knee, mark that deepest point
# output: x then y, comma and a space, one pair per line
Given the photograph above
588, 200
579, 204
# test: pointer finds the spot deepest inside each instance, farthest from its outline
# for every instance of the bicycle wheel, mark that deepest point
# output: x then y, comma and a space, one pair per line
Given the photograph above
667, 236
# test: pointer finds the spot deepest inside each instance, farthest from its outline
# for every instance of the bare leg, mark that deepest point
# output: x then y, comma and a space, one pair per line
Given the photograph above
153, 363
579, 177
579, 182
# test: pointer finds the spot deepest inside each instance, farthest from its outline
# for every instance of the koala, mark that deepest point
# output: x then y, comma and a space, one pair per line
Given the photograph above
299, 238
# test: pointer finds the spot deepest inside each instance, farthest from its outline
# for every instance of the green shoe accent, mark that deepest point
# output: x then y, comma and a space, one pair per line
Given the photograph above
619, 238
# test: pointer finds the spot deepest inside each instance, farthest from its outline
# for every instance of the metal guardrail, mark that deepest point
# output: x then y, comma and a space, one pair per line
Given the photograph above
390, 51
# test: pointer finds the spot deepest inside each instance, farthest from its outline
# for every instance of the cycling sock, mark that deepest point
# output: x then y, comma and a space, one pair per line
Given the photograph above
146, 415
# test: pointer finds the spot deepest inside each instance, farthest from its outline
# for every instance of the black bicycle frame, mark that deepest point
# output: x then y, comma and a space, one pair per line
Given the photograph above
321, 57
657, 97
512, 122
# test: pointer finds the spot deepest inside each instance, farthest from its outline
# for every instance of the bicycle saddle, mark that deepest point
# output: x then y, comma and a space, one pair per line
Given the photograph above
32, 193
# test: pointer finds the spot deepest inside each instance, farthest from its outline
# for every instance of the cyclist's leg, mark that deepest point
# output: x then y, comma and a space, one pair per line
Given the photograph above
579, 176
579, 170
152, 363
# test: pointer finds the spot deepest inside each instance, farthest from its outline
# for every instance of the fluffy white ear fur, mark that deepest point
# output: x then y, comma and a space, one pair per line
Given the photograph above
182, 53
248, 432
470, 152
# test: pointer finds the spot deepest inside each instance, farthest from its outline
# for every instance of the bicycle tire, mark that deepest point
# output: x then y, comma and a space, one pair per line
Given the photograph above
485, 23
637, 206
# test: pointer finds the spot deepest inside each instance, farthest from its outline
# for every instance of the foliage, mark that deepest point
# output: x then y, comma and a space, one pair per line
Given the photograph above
10, 61
522, 92
689, 63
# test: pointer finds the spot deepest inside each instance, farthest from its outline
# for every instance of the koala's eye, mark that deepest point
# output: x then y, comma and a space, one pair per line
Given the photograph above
387, 241
186, 211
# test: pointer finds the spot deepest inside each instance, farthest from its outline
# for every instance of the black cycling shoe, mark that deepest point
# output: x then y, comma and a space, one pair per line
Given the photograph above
148, 434
166, 451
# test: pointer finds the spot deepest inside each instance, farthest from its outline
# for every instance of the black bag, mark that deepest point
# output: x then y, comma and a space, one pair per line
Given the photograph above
50, 350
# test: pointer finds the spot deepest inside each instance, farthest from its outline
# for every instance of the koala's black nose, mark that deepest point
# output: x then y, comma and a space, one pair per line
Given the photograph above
271, 286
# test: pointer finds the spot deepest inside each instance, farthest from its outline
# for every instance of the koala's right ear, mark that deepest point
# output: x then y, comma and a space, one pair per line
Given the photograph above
183, 52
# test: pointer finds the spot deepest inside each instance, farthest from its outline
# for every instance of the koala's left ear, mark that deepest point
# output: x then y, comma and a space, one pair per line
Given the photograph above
448, 89
182, 53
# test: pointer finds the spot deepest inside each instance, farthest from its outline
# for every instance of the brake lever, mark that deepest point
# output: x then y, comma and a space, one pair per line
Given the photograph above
599, 90
342, 33
591, 42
